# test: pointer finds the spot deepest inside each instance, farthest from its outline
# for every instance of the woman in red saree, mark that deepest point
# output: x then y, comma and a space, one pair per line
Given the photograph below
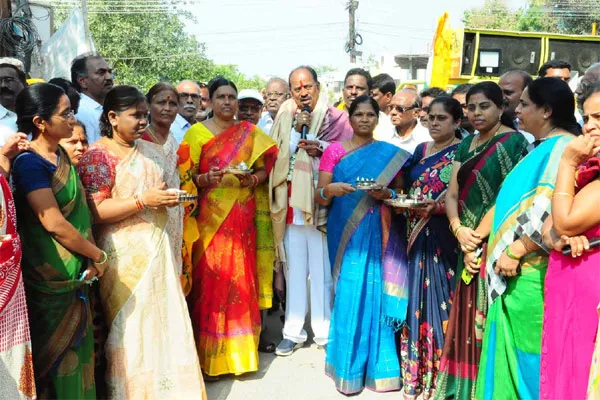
16, 359
234, 255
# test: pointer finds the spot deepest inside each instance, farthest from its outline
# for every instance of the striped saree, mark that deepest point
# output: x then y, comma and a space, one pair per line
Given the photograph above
510, 359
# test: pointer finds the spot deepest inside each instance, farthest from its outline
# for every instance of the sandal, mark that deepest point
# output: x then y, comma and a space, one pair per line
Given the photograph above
210, 378
264, 346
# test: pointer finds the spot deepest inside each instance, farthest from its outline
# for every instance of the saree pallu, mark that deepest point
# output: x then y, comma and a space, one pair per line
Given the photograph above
172, 179
233, 277
16, 375
187, 168
150, 347
479, 178
59, 312
510, 361
368, 255
432, 252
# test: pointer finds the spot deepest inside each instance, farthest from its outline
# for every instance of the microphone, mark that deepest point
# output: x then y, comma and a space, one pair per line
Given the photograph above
305, 127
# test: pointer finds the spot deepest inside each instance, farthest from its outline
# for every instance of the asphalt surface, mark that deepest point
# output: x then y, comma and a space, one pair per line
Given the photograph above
300, 376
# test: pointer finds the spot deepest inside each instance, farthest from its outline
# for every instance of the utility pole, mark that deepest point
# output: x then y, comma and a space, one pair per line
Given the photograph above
351, 45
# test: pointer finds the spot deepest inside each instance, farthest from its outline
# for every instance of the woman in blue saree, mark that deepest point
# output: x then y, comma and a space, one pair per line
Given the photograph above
517, 258
368, 257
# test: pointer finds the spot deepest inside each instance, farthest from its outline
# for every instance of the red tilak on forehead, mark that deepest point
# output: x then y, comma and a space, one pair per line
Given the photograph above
301, 85
168, 98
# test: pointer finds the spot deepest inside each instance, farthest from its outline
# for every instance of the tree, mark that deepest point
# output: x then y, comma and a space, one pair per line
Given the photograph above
145, 48
494, 14
557, 16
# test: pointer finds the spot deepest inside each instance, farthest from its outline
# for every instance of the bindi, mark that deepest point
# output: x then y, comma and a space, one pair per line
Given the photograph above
301, 85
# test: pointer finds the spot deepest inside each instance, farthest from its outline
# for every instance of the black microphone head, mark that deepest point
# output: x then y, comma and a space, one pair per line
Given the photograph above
306, 108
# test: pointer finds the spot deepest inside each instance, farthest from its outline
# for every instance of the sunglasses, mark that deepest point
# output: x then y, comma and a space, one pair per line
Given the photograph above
402, 109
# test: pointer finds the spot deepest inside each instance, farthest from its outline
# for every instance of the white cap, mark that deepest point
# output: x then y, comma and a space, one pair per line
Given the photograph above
13, 61
251, 94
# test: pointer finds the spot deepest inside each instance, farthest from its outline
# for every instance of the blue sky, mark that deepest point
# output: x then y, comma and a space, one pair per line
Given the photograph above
270, 37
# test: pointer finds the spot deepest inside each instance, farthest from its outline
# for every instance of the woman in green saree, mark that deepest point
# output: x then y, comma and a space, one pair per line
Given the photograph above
55, 229
481, 163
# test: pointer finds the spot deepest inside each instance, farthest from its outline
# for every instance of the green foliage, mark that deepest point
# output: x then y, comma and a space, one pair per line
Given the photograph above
494, 14
556, 16
144, 49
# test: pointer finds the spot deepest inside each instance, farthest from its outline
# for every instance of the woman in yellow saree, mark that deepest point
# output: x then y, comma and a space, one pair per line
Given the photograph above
150, 346
234, 255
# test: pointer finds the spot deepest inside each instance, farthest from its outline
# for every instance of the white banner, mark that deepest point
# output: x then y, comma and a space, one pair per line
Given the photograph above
68, 42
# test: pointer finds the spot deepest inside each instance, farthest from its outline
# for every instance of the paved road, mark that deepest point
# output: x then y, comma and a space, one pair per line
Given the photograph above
297, 377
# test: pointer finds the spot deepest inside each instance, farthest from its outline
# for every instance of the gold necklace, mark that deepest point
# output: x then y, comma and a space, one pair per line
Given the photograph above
154, 136
487, 141
118, 147
434, 149
52, 158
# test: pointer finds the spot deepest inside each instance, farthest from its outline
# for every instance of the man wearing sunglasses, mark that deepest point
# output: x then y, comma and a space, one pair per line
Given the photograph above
189, 103
93, 78
408, 133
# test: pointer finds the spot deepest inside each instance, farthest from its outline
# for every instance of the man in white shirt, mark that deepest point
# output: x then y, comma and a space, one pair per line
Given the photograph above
190, 97
404, 112
512, 84
357, 83
305, 245
382, 91
12, 82
277, 91
93, 77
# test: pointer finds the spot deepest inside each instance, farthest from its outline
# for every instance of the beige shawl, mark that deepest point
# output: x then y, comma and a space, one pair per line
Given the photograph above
302, 176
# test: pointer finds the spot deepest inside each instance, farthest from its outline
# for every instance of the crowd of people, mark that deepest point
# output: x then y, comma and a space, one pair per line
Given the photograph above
145, 237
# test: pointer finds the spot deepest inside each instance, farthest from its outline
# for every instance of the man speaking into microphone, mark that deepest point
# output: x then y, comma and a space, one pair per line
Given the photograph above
305, 125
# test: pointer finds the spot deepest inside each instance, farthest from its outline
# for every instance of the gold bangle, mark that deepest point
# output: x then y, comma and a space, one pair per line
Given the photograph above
104, 258
562, 194
457, 230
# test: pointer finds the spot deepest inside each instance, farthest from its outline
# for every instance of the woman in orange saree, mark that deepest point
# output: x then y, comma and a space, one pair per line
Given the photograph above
234, 255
